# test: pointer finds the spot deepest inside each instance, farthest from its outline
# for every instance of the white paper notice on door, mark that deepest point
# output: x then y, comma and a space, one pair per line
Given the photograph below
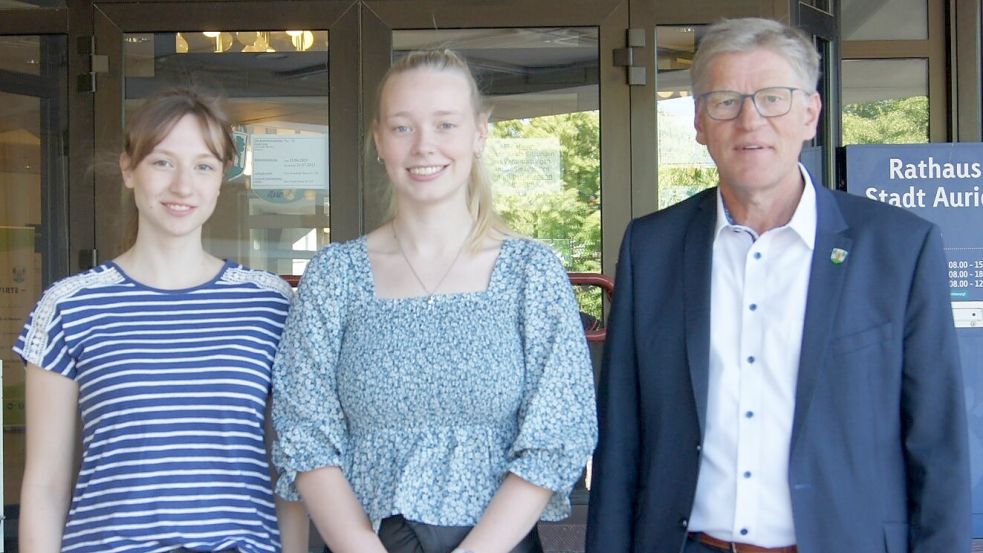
298, 161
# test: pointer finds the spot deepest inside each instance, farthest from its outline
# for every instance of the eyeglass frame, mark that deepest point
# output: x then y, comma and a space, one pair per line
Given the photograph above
754, 102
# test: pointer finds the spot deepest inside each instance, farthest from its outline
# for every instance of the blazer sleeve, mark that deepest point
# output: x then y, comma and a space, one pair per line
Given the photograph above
610, 525
933, 415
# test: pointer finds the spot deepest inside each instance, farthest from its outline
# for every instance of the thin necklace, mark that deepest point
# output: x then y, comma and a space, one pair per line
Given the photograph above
429, 291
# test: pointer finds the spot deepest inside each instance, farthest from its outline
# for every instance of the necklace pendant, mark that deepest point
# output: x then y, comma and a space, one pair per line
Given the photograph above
429, 291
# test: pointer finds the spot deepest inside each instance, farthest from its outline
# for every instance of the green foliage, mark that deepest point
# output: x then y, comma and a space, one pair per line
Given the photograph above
891, 121
678, 183
685, 166
565, 214
579, 136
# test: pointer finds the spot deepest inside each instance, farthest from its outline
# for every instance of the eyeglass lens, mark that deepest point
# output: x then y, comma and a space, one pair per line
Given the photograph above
770, 102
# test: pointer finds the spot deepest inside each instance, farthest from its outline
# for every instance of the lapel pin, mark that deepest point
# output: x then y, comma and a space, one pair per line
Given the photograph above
837, 256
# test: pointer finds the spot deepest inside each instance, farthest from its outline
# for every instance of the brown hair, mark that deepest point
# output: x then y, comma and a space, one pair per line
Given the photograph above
155, 119
479, 194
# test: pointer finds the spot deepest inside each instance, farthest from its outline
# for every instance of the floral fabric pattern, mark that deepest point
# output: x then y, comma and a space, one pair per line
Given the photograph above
427, 403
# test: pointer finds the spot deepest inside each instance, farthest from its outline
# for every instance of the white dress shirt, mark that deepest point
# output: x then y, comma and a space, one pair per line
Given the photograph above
758, 298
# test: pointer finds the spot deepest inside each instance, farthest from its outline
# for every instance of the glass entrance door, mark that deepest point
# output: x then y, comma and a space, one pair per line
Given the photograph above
277, 204
273, 212
33, 240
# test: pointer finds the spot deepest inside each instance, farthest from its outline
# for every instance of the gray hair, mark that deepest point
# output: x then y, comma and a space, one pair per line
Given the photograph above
734, 36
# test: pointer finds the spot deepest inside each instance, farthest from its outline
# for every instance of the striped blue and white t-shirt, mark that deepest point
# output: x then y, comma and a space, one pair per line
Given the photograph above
173, 387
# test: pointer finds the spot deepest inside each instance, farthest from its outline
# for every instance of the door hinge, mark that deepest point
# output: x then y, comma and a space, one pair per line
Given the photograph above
86, 82
631, 57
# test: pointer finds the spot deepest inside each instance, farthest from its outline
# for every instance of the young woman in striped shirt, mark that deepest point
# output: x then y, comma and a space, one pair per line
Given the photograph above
165, 352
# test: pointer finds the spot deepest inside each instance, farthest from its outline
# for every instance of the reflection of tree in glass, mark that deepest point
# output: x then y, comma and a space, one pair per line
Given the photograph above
678, 183
685, 166
891, 121
566, 214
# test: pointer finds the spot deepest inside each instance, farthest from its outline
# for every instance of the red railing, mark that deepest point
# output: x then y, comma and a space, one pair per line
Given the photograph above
603, 282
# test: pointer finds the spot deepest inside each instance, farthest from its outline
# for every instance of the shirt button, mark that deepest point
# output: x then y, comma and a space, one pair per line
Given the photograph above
743, 531
757, 255
750, 359
747, 474
754, 307
683, 523
749, 414
699, 448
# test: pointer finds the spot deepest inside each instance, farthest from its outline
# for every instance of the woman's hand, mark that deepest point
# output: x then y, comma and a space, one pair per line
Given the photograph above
510, 516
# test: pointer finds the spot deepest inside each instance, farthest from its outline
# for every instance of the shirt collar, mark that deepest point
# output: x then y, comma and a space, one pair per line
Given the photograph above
803, 221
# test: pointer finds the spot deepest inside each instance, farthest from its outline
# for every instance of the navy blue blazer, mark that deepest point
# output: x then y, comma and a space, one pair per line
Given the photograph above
879, 458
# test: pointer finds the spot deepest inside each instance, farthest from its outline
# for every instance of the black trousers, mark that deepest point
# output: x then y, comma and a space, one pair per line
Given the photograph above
399, 535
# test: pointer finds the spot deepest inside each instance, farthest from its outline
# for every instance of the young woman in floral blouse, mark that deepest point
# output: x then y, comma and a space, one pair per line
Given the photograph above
433, 391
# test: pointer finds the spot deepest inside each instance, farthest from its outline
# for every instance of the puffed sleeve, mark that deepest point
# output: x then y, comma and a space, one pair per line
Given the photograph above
557, 419
310, 427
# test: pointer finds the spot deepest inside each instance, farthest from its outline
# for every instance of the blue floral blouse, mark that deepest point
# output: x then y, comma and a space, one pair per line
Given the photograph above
427, 403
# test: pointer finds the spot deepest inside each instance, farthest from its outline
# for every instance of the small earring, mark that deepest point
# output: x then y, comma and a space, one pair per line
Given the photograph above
378, 160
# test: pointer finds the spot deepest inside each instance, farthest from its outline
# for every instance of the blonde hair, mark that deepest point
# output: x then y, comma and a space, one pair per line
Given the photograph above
155, 119
479, 193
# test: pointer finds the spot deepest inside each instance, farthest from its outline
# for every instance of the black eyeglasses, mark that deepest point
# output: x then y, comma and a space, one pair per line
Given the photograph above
724, 105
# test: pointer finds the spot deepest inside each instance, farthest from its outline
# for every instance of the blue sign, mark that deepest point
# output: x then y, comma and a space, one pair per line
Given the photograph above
944, 184
940, 182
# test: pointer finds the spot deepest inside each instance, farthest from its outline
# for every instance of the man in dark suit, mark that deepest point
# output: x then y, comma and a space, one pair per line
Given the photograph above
781, 372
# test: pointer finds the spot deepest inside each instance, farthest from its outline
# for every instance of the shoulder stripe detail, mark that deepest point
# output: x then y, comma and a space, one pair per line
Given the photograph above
36, 339
262, 279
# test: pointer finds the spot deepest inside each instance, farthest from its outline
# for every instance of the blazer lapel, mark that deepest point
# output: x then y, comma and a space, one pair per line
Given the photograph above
822, 300
697, 259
